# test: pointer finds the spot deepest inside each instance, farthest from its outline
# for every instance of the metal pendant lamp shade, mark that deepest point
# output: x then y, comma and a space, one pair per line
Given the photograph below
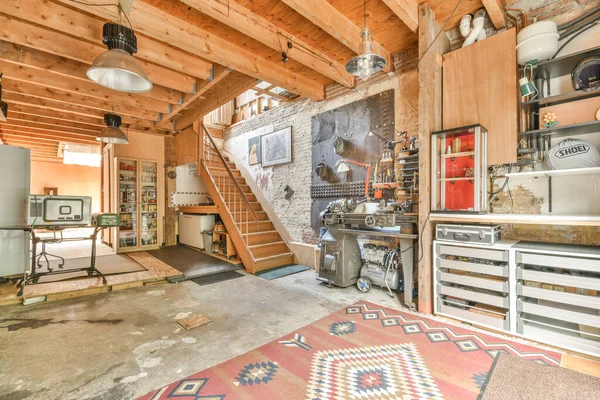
3, 105
367, 63
116, 68
112, 133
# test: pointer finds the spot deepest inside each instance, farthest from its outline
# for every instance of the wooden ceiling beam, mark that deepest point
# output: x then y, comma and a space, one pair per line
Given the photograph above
16, 123
17, 129
497, 12
61, 66
56, 160
328, 18
168, 120
72, 22
57, 115
68, 98
88, 89
251, 24
45, 138
407, 11
26, 142
15, 116
269, 93
235, 84
155, 18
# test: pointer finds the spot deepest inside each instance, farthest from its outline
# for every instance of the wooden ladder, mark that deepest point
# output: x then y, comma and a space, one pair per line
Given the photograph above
257, 241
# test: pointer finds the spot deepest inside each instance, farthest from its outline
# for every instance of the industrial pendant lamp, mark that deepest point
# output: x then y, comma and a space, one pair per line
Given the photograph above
366, 63
112, 133
116, 68
3, 105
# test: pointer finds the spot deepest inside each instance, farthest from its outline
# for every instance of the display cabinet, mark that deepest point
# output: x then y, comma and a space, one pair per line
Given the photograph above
137, 188
459, 170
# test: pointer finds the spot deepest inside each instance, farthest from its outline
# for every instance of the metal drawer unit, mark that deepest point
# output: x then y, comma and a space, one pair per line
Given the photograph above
471, 283
558, 295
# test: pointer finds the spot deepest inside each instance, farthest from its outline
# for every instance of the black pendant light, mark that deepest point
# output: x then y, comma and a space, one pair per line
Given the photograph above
3, 105
366, 63
112, 133
116, 68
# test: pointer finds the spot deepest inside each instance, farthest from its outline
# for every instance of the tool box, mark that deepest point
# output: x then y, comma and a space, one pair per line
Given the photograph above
476, 234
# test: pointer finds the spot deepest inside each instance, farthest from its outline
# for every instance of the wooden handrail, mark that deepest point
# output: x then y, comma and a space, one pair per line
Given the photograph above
237, 184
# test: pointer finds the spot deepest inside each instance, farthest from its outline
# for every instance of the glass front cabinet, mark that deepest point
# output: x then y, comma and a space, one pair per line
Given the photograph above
459, 169
136, 191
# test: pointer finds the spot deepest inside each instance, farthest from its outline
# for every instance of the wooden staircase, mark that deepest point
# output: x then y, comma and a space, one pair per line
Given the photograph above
256, 239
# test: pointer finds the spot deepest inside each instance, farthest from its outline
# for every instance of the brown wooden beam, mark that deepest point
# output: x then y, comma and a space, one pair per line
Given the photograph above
328, 18
496, 9
16, 116
72, 22
45, 138
407, 11
430, 120
15, 123
156, 18
90, 122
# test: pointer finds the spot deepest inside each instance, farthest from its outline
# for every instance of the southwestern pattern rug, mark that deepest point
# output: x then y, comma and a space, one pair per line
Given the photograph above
363, 351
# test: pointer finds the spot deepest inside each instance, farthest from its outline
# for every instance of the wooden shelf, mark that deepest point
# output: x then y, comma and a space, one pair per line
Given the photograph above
524, 219
462, 178
561, 98
561, 65
557, 172
461, 154
576, 129
199, 209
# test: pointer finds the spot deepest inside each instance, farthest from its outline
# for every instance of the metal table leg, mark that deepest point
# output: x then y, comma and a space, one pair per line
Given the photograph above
93, 270
407, 255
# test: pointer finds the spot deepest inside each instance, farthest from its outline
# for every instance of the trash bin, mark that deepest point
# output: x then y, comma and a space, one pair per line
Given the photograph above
208, 242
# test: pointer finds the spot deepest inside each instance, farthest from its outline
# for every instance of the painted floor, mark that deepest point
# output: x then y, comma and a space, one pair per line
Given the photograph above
121, 345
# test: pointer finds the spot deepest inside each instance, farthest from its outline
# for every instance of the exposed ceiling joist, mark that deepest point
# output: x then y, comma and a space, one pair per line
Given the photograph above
18, 123
156, 17
407, 11
328, 18
9, 86
497, 12
70, 69
269, 93
64, 19
45, 138
16, 116
231, 87
219, 74
251, 24
57, 115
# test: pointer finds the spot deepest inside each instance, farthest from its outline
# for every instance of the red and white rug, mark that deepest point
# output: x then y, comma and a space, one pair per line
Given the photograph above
363, 351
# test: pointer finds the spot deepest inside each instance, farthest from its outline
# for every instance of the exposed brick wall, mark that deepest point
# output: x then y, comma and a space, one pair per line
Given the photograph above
295, 213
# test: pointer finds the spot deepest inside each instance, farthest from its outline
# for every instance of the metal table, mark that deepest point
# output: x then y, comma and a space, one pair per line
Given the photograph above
34, 276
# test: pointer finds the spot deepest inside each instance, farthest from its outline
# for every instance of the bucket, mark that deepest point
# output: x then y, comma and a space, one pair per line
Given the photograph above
208, 242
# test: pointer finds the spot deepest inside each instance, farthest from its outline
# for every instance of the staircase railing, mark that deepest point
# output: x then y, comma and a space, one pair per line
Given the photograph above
228, 186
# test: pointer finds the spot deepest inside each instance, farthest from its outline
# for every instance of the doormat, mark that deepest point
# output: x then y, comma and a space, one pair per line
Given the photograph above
363, 351
278, 272
215, 278
516, 378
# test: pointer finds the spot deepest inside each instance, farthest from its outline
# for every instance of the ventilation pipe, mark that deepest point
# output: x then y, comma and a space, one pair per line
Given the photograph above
476, 33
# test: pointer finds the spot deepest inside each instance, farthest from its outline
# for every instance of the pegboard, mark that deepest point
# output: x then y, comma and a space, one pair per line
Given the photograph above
353, 123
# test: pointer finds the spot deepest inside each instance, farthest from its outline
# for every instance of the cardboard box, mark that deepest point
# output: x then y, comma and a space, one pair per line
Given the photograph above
485, 309
532, 284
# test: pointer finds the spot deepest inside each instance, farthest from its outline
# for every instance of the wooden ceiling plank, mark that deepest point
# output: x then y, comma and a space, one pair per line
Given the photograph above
9, 86
219, 73
251, 24
47, 159
16, 116
47, 128
72, 22
235, 84
24, 141
89, 89
497, 12
407, 11
58, 44
45, 138
58, 115
149, 18
271, 94
328, 18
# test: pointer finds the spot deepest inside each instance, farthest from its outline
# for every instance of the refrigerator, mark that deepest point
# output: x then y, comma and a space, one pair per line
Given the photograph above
191, 228
14, 189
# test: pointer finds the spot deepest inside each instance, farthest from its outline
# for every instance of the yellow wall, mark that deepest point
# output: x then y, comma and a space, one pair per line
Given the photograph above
76, 180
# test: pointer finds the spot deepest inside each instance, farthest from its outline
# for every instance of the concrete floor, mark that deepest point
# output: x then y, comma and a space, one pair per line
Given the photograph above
124, 344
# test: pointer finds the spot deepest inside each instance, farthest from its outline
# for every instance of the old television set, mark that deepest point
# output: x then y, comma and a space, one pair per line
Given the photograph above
59, 210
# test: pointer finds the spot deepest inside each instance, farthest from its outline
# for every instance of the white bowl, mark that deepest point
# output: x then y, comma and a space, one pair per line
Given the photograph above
538, 41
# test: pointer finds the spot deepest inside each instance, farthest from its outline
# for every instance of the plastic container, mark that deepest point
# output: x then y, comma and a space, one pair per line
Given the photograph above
208, 242
538, 41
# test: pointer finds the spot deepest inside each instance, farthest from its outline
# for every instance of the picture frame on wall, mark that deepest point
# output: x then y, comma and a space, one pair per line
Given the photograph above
254, 153
276, 147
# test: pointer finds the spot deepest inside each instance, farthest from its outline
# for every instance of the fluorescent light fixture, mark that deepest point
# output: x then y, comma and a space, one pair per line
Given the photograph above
112, 133
116, 68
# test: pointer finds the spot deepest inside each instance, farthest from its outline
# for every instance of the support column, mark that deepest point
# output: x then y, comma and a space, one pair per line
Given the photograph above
170, 235
430, 120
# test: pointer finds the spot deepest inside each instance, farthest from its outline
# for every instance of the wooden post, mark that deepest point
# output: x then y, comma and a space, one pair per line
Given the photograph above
170, 236
430, 120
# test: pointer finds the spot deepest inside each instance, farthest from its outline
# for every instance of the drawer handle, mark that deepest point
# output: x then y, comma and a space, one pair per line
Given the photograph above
462, 237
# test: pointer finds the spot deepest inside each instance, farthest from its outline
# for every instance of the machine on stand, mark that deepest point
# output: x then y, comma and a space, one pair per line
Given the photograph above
341, 262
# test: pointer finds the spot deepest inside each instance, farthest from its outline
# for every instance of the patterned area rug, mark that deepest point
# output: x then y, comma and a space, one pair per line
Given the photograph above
364, 351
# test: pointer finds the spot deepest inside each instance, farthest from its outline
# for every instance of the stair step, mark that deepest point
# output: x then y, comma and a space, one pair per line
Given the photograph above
273, 261
269, 250
259, 226
218, 171
229, 195
229, 186
242, 216
265, 237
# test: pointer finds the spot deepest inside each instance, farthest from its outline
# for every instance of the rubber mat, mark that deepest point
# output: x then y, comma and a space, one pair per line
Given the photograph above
278, 272
215, 278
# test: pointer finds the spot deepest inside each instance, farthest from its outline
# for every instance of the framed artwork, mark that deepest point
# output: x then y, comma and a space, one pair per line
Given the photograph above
254, 153
276, 147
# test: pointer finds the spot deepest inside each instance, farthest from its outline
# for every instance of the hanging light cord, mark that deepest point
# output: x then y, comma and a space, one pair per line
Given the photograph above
365, 13
118, 5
